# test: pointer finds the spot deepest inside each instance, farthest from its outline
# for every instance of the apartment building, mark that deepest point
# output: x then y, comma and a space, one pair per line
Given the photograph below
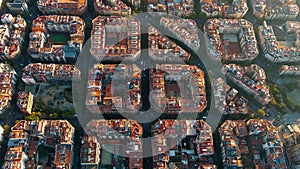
115, 7
290, 70
114, 88
62, 7
161, 48
15, 158
7, 81
90, 153
12, 33
266, 138
118, 137
185, 30
228, 100
278, 49
178, 88
233, 143
265, 144
39, 73
291, 138
26, 137
219, 87
17, 7
182, 144
25, 102
230, 39
63, 157
115, 38
228, 9
56, 38
172, 7
157, 6
285, 9
251, 79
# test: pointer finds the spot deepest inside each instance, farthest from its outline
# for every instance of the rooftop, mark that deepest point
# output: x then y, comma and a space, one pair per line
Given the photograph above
40, 45
281, 50
264, 141
115, 37
185, 30
107, 84
225, 8
25, 102
90, 151
62, 7
252, 79
227, 99
162, 48
113, 7
22, 144
121, 136
196, 149
178, 88
276, 9
231, 39
7, 81
172, 7
290, 69
43, 73
12, 32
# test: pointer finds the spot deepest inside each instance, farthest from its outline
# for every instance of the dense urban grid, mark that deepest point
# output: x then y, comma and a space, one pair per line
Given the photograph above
147, 98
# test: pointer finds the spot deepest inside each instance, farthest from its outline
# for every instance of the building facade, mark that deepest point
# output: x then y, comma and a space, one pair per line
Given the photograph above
39, 73
56, 38
18, 6
62, 7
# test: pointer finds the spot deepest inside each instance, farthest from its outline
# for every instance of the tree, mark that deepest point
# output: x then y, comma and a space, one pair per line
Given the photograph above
6, 130
21, 86
34, 116
273, 102
261, 112
192, 15
54, 116
67, 114
203, 16
298, 107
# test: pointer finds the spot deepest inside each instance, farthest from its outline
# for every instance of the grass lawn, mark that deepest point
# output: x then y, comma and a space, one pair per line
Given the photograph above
59, 38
